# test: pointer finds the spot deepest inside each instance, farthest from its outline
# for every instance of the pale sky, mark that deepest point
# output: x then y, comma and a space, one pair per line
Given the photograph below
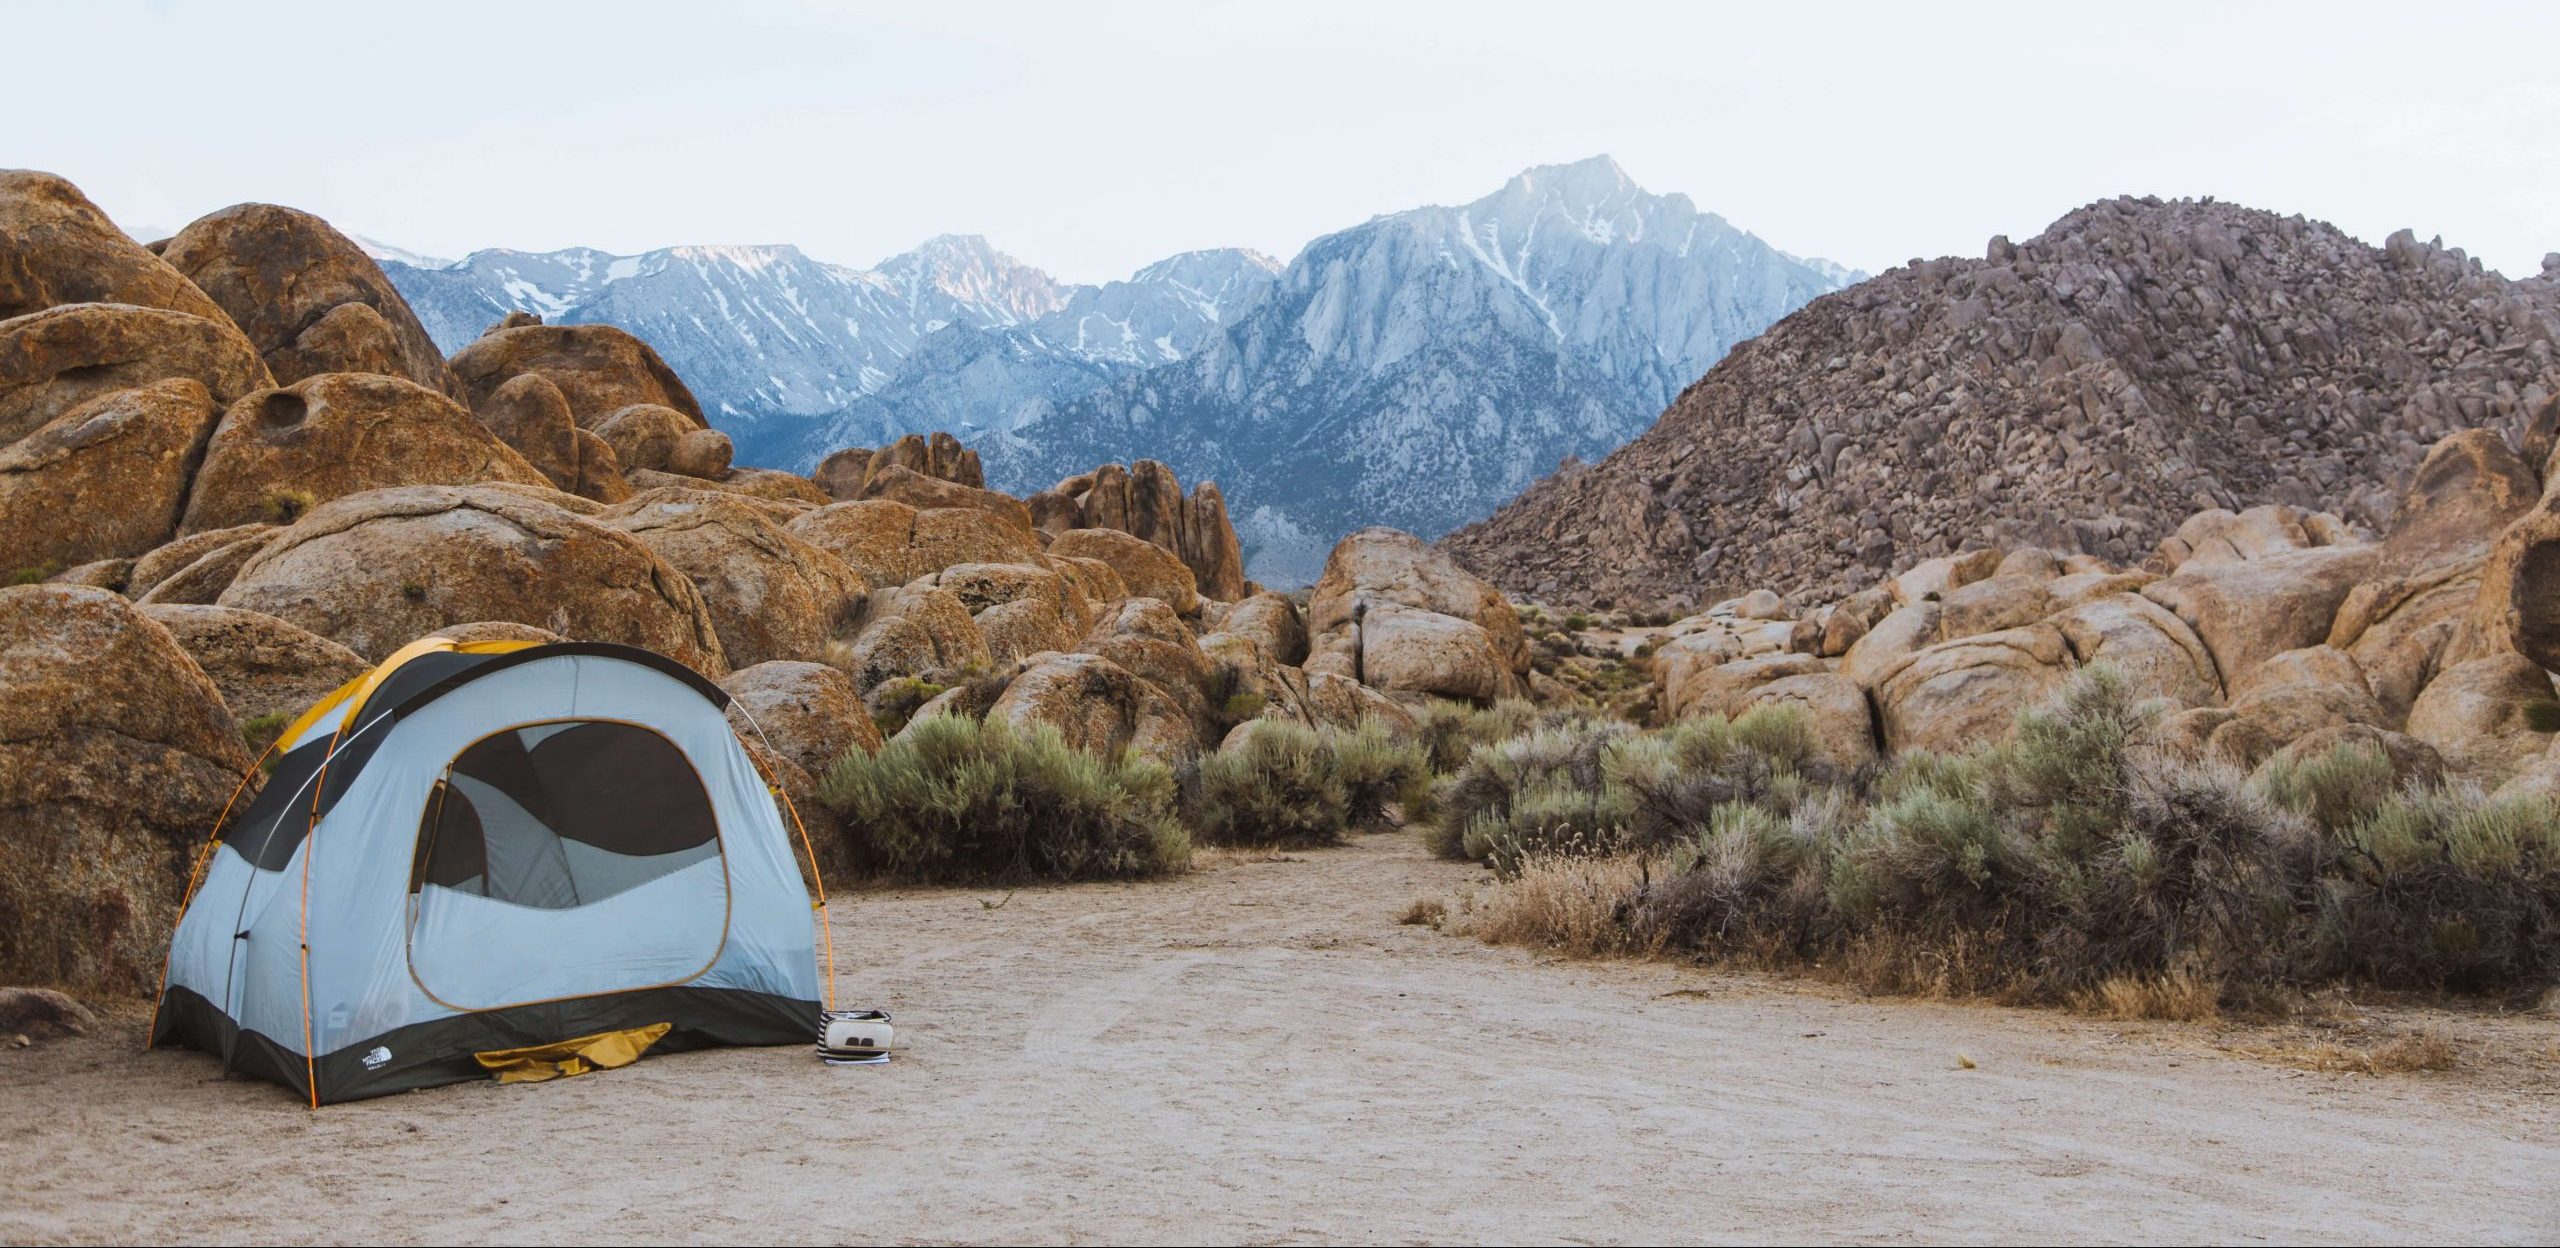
1091, 138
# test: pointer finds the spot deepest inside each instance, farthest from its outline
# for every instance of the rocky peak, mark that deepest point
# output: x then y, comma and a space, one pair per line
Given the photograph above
2140, 360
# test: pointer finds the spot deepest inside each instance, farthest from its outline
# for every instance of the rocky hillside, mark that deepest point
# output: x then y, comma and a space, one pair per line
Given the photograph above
2085, 391
1417, 369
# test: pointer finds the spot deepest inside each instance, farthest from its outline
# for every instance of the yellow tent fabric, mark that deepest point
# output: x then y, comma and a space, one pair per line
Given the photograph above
604, 1050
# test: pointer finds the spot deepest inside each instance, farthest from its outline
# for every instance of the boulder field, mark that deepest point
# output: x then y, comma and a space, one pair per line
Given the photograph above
234, 472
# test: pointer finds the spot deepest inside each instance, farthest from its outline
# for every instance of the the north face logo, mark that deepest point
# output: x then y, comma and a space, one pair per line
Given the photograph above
377, 1059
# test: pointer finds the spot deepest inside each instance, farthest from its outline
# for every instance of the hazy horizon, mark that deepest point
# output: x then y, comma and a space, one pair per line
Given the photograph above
1091, 143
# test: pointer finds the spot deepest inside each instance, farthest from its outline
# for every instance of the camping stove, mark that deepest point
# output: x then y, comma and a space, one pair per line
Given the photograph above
854, 1037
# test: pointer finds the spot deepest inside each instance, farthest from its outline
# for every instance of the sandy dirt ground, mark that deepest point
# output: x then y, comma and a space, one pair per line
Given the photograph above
1257, 1052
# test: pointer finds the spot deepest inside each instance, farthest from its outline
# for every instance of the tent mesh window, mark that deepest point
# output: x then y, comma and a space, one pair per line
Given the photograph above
561, 815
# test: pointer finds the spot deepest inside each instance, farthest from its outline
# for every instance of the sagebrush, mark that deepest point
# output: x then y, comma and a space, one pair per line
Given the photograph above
2070, 863
953, 799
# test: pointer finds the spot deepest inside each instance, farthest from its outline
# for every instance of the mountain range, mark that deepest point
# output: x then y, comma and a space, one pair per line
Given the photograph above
1415, 370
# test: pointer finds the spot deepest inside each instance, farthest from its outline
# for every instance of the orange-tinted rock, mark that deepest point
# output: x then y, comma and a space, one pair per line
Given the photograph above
307, 296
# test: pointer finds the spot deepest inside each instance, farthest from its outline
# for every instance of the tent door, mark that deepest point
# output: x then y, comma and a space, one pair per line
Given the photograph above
565, 859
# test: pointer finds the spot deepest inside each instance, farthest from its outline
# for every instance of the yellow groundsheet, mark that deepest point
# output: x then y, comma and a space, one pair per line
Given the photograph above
560, 1059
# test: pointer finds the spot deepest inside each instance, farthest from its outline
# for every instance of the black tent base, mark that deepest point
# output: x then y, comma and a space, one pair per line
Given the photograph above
424, 1055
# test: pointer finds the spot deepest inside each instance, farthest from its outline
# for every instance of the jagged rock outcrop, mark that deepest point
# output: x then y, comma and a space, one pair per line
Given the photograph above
104, 480
2083, 391
116, 756
1147, 500
277, 452
308, 297
371, 571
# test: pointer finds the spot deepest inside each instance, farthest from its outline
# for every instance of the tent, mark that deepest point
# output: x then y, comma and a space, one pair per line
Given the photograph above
478, 848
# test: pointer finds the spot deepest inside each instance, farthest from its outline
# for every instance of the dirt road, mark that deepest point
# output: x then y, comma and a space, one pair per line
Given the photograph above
1258, 1053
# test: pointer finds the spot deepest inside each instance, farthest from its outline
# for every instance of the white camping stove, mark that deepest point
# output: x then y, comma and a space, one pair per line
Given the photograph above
854, 1037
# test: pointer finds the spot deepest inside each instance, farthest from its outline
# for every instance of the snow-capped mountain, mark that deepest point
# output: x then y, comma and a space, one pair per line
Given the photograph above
1414, 370
1421, 368
787, 351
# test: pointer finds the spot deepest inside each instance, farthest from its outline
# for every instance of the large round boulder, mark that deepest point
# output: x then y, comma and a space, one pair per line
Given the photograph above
1959, 694
105, 480
892, 543
598, 368
902, 484
1274, 624
841, 473
531, 415
1097, 705
2518, 602
309, 298
373, 570
771, 595
2485, 716
1381, 567
810, 713
1149, 570
58, 359
1836, 712
1146, 637
917, 631
198, 567
2247, 610
263, 665
116, 757
644, 435
2155, 649
56, 248
277, 452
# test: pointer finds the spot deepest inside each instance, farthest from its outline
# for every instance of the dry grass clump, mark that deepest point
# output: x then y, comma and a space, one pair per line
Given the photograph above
1565, 903
2424, 1049
2179, 996
1424, 912
2067, 865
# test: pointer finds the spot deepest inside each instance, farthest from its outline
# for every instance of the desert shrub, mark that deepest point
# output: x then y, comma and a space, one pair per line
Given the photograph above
2067, 864
1541, 790
287, 504
898, 699
34, 574
260, 731
957, 800
1232, 698
2334, 788
2442, 887
1379, 772
1576, 622
1288, 786
1279, 787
